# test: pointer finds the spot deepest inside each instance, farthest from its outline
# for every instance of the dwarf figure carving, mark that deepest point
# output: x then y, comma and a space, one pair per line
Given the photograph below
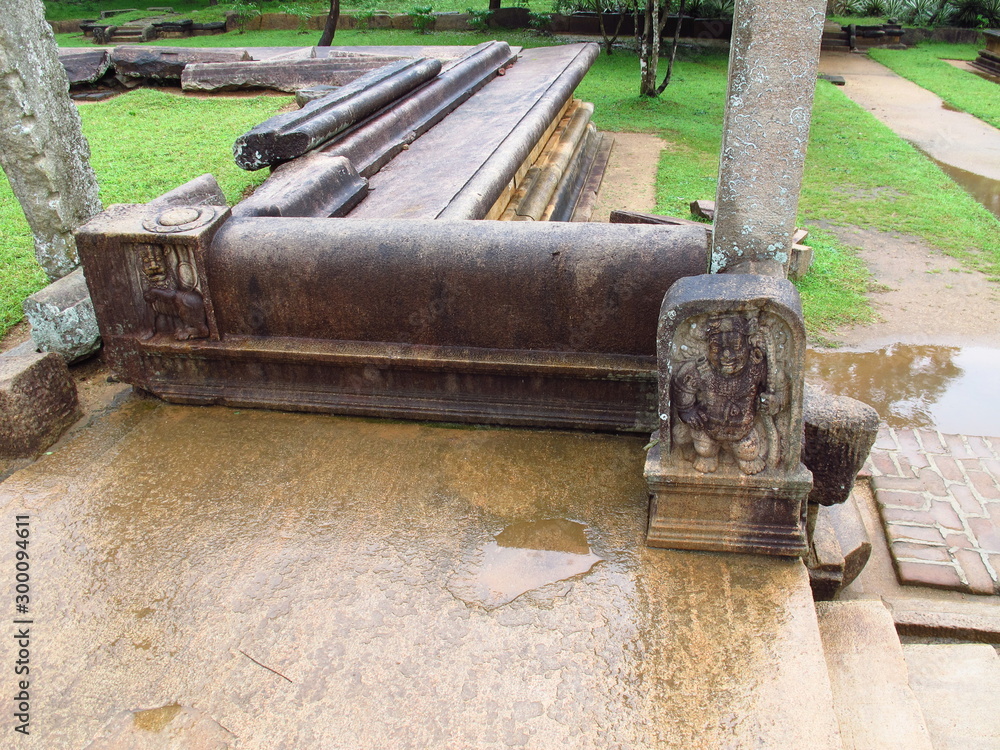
725, 399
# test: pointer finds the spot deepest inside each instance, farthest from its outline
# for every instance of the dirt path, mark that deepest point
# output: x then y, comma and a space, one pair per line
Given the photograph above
922, 297
630, 179
913, 113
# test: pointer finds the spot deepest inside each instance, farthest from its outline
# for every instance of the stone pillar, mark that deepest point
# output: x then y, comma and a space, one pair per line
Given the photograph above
772, 77
42, 148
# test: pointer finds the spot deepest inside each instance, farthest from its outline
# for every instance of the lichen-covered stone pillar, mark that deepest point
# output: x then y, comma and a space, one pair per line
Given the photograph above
42, 148
772, 77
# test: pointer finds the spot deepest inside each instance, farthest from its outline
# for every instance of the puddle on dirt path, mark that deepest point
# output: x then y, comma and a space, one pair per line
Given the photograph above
984, 189
525, 556
952, 389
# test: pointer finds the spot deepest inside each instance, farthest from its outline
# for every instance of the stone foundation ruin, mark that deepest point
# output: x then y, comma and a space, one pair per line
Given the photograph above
421, 250
408, 304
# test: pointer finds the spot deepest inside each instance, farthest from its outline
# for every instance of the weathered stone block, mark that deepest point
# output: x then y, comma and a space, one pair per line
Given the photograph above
304, 96
62, 318
37, 403
85, 66
839, 433
168, 62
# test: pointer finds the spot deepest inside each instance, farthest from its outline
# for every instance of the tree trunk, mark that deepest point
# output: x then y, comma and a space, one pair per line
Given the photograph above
330, 29
494, 4
609, 41
649, 51
673, 50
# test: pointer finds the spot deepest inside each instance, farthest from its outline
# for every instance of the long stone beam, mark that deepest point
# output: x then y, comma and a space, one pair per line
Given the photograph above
466, 162
287, 136
772, 78
167, 62
289, 75
487, 184
379, 139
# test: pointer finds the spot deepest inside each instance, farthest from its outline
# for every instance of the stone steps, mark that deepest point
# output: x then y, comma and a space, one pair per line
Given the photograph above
873, 701
958, 688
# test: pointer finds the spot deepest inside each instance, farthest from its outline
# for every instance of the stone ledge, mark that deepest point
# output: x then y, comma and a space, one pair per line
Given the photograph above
38, 401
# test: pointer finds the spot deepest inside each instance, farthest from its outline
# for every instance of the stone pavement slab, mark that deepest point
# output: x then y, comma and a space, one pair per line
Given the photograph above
257, 579
939, 497
958, 686
876, 707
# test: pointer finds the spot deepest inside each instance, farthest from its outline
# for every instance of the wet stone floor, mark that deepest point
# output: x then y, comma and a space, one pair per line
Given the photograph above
210, 578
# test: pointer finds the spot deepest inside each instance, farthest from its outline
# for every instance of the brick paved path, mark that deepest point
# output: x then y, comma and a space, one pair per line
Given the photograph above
939, 496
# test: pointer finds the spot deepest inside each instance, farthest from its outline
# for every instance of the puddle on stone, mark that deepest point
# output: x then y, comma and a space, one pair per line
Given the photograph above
155, 719
952, 389
525, 556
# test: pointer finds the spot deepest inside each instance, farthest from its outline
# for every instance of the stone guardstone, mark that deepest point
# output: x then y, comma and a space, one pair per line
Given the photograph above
62, 318
38, 401
725, 472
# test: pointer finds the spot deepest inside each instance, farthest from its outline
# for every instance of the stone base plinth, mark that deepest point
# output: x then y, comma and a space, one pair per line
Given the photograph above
760, 514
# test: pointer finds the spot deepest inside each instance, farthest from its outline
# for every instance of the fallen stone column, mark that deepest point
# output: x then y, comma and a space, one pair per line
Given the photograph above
317, 185
281, 75
486, 186
167, 62
290, 135
42, 148
379, 139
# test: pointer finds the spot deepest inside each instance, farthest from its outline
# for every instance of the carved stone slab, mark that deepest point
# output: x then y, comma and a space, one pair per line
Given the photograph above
726, 473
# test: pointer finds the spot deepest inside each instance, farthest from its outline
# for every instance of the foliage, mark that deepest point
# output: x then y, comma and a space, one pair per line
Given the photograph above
20, 274
302, 12
423, 18
965, 13
479, 20
363, 20
925, 67
541, 23
246, 11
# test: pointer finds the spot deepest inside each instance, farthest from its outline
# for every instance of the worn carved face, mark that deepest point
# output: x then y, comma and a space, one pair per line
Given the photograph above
153, 266
728, 349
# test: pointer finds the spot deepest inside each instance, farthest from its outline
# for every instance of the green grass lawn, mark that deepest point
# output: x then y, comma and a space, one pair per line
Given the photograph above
142, 144
200, 11
925, 65
857, 172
